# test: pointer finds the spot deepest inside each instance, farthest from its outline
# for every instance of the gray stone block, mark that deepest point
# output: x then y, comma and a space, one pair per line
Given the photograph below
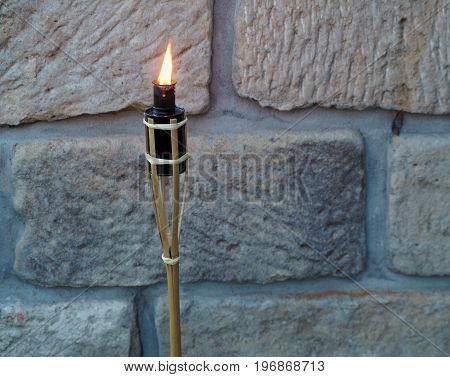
324, 324
59, 61
84, 222
257, 210
89, 325
347, 54
419, 204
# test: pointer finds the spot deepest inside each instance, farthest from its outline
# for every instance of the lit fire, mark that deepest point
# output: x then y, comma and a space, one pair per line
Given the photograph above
165, 76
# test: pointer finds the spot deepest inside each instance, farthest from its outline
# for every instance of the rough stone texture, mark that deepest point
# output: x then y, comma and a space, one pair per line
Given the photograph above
84, 222
87, 326
64, 59
327, 324
419, 204
344, 53
258, 210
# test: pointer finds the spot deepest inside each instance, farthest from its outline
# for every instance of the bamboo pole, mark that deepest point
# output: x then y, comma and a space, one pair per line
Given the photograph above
160, 214
173, 286
176, 195
170, 246
173, 270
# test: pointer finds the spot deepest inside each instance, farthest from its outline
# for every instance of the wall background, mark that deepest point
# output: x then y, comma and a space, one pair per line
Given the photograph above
222, 313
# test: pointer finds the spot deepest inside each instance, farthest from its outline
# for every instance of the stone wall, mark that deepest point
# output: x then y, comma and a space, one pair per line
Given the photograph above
307, 232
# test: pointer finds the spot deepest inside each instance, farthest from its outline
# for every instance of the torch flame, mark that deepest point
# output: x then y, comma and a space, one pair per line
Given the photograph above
165, 76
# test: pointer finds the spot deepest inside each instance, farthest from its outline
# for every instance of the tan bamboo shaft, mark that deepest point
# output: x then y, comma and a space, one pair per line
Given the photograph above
176, 193
149, 174
173, 271
173, 286
170, 247
163, 216
160, 213
163, 183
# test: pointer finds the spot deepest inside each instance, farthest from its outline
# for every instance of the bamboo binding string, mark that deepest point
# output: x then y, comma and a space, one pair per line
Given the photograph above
166, 127
170, 261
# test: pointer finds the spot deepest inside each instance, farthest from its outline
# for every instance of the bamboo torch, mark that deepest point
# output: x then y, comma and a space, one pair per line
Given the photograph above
166, 155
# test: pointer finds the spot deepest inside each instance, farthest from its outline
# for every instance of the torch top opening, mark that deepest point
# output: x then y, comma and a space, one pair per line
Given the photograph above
167, 86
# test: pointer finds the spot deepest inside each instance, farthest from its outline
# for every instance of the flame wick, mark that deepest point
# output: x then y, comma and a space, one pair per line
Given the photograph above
165, 75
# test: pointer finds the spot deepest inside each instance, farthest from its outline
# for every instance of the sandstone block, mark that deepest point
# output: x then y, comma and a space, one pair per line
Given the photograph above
346, 54
419, 204
90, 325
257, 210
327, 324
66, 59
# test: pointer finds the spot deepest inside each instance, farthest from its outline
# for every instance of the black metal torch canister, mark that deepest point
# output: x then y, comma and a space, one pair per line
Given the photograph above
165, 111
